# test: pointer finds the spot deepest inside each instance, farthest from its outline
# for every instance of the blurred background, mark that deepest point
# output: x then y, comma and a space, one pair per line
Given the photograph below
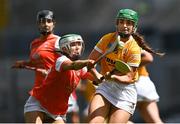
159, 23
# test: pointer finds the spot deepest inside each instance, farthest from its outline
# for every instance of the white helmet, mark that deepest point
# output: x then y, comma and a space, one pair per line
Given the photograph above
67, 39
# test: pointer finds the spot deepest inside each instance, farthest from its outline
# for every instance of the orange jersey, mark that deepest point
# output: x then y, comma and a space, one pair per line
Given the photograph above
54, 93
142, 71
130, 53
43, 54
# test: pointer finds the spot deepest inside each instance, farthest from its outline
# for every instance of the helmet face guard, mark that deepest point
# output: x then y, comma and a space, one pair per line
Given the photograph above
65, 42
128, 14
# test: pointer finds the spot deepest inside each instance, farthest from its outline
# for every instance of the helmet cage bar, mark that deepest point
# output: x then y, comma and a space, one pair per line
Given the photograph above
66, 40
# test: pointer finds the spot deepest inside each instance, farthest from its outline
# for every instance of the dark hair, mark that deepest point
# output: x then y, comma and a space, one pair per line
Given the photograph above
143, 44
45, 14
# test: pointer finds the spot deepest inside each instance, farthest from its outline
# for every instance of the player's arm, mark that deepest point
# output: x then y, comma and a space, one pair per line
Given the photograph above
146, 58
94, 55
133, 61
23, 64
76, 65
123, 78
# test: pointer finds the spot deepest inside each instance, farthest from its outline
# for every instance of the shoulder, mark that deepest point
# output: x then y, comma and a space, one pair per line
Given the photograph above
109, 35
105, 39
34, 43
105, 42
56, 44
60, 60
56, 36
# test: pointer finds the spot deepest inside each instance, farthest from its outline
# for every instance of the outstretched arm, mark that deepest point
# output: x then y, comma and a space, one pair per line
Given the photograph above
123, 78
23, 64
41, 70
76, 65
94, 55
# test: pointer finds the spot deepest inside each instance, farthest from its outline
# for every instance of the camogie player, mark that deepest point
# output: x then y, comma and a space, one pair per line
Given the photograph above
147, 94
51, 97
115, 98
49, 101
42, 56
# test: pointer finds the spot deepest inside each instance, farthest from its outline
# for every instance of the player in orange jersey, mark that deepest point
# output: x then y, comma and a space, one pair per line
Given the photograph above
147, 94
42, 54
43, 48
51, 97
116, 96
70, 45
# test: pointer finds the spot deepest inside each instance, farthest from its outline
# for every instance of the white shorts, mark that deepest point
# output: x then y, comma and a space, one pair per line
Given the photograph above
123, 96
33, 105
72, 105
146, 89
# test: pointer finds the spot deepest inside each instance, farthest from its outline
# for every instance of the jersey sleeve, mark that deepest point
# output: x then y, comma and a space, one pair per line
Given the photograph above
100, 46
104, 43
59, 61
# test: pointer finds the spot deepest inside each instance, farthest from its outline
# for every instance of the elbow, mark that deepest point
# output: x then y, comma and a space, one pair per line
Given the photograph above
146, 56
151, 59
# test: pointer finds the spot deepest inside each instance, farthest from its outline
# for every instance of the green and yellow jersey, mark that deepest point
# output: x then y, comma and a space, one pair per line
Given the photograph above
129, 53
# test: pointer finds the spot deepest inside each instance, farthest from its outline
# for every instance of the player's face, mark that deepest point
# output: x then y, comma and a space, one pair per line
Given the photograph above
125, 27
76, 49
45, 26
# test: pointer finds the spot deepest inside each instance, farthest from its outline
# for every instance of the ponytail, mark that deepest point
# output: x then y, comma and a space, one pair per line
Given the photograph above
142, 43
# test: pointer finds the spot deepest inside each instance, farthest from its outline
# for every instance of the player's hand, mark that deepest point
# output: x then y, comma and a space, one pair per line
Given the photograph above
107, 76
97, 81
19, 64
90, 64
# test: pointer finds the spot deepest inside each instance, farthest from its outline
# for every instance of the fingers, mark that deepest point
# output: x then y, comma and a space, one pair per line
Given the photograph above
107, 75
43, 71
97, 82
90, 64
18, 64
